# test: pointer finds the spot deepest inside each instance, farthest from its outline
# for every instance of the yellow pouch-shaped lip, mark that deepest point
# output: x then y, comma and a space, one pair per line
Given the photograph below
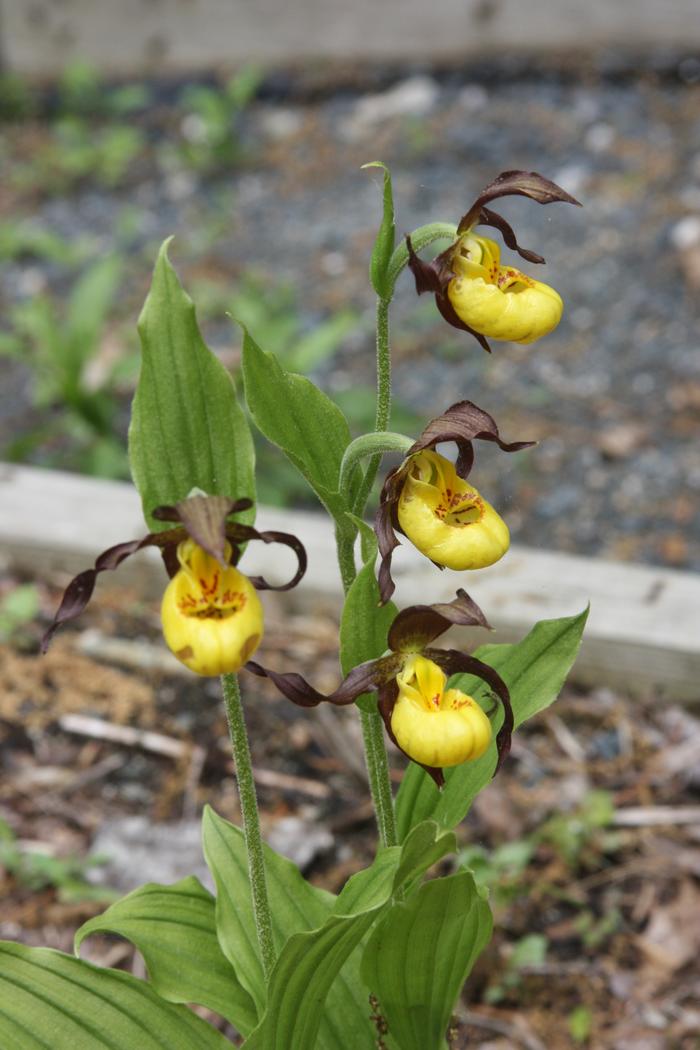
434, 726
447, 519
498, 301
212, 616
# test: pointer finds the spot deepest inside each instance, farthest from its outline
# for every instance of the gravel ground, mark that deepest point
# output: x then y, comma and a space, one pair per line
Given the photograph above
613, 394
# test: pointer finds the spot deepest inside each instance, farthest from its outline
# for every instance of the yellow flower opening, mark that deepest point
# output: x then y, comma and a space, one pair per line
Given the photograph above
434, 726
498, 301
446, 518
212, 616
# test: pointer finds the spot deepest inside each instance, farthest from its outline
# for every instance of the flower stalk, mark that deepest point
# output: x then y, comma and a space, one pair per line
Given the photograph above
371, 722
378, 769
251, 820
383, 409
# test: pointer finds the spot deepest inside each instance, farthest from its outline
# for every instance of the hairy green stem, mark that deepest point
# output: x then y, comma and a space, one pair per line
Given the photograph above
372, 726
371, 722
345, 544
378, 768
383, 413
251, 820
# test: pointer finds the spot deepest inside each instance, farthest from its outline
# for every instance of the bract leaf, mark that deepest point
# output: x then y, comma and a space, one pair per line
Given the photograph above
386, 237
187, 429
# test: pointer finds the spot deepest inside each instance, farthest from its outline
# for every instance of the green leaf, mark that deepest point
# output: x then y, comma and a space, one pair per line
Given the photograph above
534, 670
300, 419
364, 624
53, 1000
295, 906
425, 845
386, 236
187, 429
300, 983
88, 306
420, 954
318, 970
580, 1024
174, 929
294, 903
371, 886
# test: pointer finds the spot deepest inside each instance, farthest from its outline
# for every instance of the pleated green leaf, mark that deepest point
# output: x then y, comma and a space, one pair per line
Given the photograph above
301, 420
175, 930
51, 1001
386, 236
420, 954
295, 906
300, 984
187, 429
534, 670
317, 973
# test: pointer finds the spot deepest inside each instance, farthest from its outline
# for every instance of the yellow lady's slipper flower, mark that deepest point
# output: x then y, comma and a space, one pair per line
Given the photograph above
434, 726
431, 501
446, 518
498, 301
472, 290
212, 617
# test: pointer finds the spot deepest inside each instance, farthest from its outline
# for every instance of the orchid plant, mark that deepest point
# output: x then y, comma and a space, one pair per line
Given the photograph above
290, 966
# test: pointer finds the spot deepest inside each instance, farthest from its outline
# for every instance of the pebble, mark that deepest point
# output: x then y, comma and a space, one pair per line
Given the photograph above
599, 138
300, 838
473, 97
685, 233
280, 122
139, 851
414, 97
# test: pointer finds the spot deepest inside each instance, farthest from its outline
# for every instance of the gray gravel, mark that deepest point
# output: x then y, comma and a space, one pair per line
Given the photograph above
613, 394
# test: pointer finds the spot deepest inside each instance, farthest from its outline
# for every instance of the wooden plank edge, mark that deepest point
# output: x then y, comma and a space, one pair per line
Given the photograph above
642, 634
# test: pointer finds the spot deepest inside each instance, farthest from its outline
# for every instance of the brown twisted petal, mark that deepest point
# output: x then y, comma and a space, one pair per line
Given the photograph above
418, 625
388, 694
454, 662
433, 276
362, 679
516, 183
386, 526
492, 218
79, 591
241, 533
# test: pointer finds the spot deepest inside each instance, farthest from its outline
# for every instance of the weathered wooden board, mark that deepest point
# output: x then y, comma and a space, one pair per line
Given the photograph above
41, 37
644, 626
